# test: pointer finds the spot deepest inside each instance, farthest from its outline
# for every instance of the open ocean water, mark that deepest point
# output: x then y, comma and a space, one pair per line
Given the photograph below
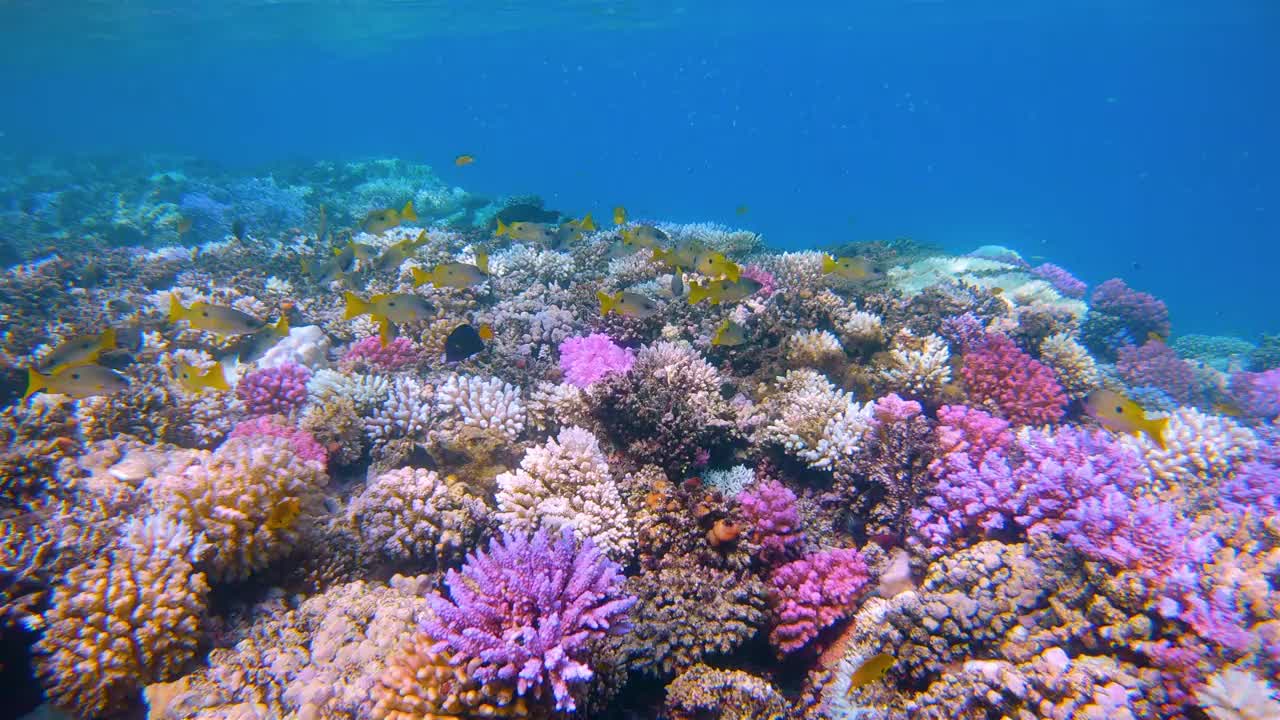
306, 303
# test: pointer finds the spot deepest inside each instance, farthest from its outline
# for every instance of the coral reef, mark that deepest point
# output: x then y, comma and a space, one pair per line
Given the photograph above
414, 514
1005, 380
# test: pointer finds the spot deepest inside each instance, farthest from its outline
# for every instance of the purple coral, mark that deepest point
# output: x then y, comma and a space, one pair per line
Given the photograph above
1254, 487
397, 354
962, 332
769, 512
1156, 365
767, 282
1133, 534
1060, 278
1000, 376
1141, 314
813, 593
1257, 395
893, 409
585, 360
281, 389
303, 443
962, 429
526, 611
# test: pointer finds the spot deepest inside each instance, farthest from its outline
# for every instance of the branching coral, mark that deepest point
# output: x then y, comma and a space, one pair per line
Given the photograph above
485, 403
1071, 364
1156, 365
280, 389
704, 693
812, 593
566, 484
585, 360
917, 367
814, 421
1198, 450
1006, 380
414, 514
769, 512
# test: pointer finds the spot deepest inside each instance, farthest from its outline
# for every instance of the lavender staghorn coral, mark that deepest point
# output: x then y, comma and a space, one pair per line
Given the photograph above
413, 513
526, 611
248, 499
124, 620
566, 484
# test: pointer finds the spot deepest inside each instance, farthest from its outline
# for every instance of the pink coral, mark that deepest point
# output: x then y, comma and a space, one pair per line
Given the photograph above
585, 360
303, 443
1139, 312
962, 429
1257, 394
281, 389
397, 354
769, 512
813, 593
893, 409
1000, 376
762, 276
1060, 278
1156, 365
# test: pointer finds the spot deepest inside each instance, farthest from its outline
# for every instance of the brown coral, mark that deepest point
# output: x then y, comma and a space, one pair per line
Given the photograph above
421, 683
705, 693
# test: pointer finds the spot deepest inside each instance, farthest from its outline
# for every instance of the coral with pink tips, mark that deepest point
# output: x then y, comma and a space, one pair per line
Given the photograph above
1001, 377
813, 593
281, 389
585, 360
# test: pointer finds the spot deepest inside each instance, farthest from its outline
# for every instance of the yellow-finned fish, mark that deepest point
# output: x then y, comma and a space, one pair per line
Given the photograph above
526, 231
260, 342
325, 271
627, 303
77, 381
619, 215
79, 350
571, 231
391, 258
378, 221
194, 381
714, 264
455, 274
729, 334
644, 236
871, 670
217, 319
1118, 413
683, 255
396, 307
846, 267
462, 160
722, 291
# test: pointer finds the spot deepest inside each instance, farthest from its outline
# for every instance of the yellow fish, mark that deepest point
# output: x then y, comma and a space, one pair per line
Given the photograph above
462, 160
729, 334
683, 255
260, 342
619, 215
391, 258
378, 221
194, 381
644, 236
184, 225
79, 381
217, 319
871, 670
627, 303
323, 272
1118, 413
847, 268
714, 264
79, 350
396, 307
527, 231
572, 230
722, 291
455, 274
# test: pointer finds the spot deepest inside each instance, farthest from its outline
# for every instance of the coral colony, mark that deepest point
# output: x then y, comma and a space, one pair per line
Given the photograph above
427, 455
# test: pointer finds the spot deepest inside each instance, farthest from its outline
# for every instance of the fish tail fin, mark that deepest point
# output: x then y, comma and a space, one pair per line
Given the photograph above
606, 302
503, 229
718, 337
482, 261
588, 224
662, 256
408, 213
699, 292
107, 340
385, 332
176, 311
828, 264
216, 378
420, 276
1156, 430
355, 306
732, 271
282, 326
35, 382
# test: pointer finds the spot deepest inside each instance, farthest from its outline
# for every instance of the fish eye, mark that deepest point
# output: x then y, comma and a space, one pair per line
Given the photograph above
391, 304
75, 376
204, 313
1119, 410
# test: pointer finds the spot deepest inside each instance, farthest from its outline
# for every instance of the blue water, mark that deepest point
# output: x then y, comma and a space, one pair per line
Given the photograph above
1134, 139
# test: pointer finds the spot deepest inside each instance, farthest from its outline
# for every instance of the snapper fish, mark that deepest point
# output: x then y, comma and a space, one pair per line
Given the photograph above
78, 381
1118, 413
723, 291
455, 274
391, 258
619, 215
729, 334
846, 267
378, 221
644, 236
715, 264
194, 381
217, 319
626, 303
79, 350
572, 231
260, 342
527, 232
389, 308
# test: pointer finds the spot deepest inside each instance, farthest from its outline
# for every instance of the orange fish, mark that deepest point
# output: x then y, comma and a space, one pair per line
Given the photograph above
464, 160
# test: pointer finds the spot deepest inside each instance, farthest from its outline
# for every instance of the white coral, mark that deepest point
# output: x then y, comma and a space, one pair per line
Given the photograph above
917, 366
405, 412
485, 403
730, 481
556, 405
857, 326
814, 421
413, 513
566, 483
365, 391
1071, 363
1234, 694
813, 348
1198, 448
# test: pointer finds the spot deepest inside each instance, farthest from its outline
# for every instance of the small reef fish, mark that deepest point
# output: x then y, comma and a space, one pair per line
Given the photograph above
378, 221
527, 232
455, 274
325, 271
644, 236
1118, 413
194, 381
184, 225
722, 291
78, 381
217, 319
619, 215
627, 303
238, 229
463, 160
845, 267
714, 264
396, 307
260, 342
79, 350
729, 334
677, 282
871, 670
323, 227
391, 258
571, 231
463, 342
